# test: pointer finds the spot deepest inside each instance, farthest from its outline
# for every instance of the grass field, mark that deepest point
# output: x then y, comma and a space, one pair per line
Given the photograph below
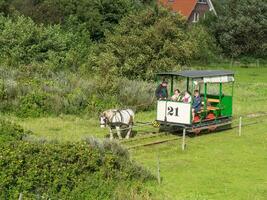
214, 166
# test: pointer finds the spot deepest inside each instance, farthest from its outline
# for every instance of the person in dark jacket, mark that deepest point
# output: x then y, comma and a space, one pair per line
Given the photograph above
162, 91
196, 103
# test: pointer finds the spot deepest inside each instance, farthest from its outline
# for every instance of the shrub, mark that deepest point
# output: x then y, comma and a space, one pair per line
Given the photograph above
138, 95
31, 94
10, 132
64, 170
24, 43
33, 105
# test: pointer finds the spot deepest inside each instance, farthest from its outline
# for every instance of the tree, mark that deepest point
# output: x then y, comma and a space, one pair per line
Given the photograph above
22, 42
97, 15
241, 28
147, 42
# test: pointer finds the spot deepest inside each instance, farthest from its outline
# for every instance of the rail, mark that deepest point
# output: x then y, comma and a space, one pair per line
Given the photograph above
235, 125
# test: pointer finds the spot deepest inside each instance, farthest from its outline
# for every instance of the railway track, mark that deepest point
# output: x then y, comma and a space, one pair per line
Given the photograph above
152, 138
149, 140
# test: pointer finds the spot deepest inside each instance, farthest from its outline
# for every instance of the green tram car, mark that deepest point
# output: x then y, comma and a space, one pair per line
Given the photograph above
216, 90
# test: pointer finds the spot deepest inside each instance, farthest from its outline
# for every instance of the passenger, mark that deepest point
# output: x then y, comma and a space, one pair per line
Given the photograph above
187, 97
196, 103
177, 96
162, 91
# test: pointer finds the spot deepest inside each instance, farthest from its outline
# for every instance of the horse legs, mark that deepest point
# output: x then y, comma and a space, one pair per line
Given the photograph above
118, 132
111, 134
129, 132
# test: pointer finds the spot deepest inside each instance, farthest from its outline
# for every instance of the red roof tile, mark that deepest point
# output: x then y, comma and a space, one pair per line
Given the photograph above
185, 7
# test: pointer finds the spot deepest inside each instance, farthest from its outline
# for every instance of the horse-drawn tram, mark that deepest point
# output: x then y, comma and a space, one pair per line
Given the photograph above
199, 100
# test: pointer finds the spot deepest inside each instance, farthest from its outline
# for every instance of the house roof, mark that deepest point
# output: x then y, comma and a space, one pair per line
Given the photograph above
185, 7
199, 73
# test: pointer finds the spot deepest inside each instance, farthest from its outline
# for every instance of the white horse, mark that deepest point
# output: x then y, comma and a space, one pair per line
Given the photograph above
117, 118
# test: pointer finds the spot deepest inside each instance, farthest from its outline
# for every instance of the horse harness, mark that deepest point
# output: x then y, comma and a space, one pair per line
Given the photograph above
109, 121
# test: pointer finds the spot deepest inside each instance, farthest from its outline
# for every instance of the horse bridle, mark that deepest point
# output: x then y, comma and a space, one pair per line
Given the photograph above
105, 120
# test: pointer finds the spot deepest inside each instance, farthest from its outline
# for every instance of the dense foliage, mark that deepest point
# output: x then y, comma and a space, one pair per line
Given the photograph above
86, 170
10, 132
23, 43
81, 57
34, 94
89, 170
78, 57
96, 16
241, 27
150, 41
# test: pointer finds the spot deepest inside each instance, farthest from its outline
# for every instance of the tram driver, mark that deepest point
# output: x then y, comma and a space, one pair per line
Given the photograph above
162, 91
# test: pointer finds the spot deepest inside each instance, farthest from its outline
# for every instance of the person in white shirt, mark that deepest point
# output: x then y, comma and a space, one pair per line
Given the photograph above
177, 96
187, 97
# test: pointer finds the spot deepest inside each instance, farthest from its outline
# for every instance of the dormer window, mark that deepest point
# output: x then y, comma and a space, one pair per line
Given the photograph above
196, 17
202, 1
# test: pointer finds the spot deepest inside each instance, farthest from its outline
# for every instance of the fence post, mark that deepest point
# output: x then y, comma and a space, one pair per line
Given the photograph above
20, 196
232, 62
183, 144
258, 63
158, 163
240, 126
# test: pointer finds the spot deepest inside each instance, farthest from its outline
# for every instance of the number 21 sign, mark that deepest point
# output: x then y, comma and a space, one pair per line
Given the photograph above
173, 111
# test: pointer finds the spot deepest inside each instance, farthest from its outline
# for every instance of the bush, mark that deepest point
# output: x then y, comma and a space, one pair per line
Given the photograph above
65, 171
22, 42
10, 132
32, 105
138, 95
36, 95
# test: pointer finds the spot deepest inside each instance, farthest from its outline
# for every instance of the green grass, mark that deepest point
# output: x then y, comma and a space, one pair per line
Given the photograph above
220, 165
71, 128
214, 166
64, 128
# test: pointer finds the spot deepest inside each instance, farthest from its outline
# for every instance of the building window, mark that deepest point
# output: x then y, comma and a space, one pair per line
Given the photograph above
202, 1
196, 17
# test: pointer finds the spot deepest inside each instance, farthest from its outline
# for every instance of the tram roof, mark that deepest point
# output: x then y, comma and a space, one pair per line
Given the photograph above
198, 73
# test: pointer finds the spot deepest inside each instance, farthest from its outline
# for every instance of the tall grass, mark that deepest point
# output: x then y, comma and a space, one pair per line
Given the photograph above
137, 94
33, 94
